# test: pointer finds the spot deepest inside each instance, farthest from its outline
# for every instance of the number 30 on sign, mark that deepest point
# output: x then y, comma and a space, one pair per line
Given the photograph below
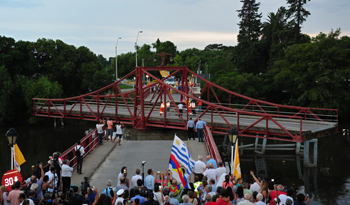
10, 177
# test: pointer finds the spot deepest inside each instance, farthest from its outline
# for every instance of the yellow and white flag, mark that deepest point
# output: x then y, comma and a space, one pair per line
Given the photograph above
19, 158
236, 163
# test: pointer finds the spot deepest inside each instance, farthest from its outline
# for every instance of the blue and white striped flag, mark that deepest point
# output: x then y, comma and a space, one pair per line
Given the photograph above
182, 155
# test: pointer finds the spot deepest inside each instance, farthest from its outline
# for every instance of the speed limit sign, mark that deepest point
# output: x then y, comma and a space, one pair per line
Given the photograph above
10, 177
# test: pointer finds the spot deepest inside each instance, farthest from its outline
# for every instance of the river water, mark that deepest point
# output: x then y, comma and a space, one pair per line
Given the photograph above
328, 183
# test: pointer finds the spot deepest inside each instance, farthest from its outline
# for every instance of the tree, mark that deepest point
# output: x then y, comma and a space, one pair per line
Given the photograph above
249, 56
317, 73
298, 15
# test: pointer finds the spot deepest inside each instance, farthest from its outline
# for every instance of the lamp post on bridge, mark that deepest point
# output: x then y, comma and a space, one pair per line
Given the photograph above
116, 60
12, 135
199, 67
136, 44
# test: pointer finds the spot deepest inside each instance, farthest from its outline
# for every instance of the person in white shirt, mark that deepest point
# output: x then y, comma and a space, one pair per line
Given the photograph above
180, 106
135, 178
52, 174
119, 133
79, 158
66, 175
199, 167
211, 173
221, 169
255, 187
259, 199
99, 127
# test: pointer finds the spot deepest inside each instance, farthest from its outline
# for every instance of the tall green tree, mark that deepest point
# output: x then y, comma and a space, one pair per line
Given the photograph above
249, 57
298, 14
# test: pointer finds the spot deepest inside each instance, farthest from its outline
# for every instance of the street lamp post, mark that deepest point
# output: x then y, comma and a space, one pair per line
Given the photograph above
199, 67
11, 135
136, 44
116, 60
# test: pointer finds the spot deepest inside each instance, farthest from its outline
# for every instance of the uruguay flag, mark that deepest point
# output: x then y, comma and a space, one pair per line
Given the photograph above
182, 155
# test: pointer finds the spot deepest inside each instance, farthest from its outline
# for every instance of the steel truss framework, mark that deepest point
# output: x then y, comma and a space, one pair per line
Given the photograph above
111, 97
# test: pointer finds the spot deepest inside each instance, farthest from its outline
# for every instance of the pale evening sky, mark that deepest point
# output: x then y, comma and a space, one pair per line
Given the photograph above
187, 23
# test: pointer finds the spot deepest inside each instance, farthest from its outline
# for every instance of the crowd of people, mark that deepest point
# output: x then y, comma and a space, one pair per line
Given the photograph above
212, 186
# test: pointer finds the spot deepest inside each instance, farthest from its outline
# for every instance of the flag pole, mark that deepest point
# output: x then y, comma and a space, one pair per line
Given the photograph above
12, 158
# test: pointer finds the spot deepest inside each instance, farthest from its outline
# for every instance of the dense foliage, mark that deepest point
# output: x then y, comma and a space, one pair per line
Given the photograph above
272, 61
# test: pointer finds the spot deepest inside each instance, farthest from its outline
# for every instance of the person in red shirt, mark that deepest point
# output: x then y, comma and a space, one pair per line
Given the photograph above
279, 192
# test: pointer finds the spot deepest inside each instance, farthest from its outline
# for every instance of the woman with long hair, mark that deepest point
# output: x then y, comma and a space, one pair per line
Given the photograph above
240, 194
227, 182
263, 187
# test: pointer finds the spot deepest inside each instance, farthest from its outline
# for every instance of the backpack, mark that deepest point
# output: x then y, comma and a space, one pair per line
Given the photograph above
109, 192
77, 152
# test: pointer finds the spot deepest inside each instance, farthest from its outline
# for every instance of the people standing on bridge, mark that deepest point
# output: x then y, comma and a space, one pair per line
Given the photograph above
180, 106
199, 168
189, 108
66, 175
105, 124
199, 105
99, 127
193, 106
79, 151
161, 108
168, 108
119, 130
110, 130
190, 129
199, 129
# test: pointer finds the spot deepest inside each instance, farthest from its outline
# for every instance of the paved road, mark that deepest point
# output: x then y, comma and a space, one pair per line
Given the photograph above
131, 154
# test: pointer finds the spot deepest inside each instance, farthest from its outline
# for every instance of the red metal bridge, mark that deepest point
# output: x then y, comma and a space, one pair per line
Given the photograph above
140, 108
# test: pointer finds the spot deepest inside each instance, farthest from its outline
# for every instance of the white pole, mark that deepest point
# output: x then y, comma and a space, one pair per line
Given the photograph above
12, 153
136, 44
116, 60
232, 166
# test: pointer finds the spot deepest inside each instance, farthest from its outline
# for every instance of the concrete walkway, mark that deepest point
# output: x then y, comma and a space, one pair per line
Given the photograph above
92, 161
196, 148
156, 154
105, 161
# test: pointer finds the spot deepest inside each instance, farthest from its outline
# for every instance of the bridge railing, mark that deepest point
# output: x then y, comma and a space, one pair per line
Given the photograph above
211, 146
89, 142
255, 105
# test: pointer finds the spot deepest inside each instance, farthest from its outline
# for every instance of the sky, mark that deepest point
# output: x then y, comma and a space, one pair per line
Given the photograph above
97, 24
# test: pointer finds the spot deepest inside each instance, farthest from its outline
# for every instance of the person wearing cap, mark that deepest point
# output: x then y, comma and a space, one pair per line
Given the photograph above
120, 195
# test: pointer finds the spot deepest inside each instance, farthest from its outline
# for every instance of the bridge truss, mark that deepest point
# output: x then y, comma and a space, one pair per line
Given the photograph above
139, 107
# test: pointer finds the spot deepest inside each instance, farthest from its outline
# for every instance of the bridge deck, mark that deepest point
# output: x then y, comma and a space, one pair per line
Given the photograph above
309, 127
